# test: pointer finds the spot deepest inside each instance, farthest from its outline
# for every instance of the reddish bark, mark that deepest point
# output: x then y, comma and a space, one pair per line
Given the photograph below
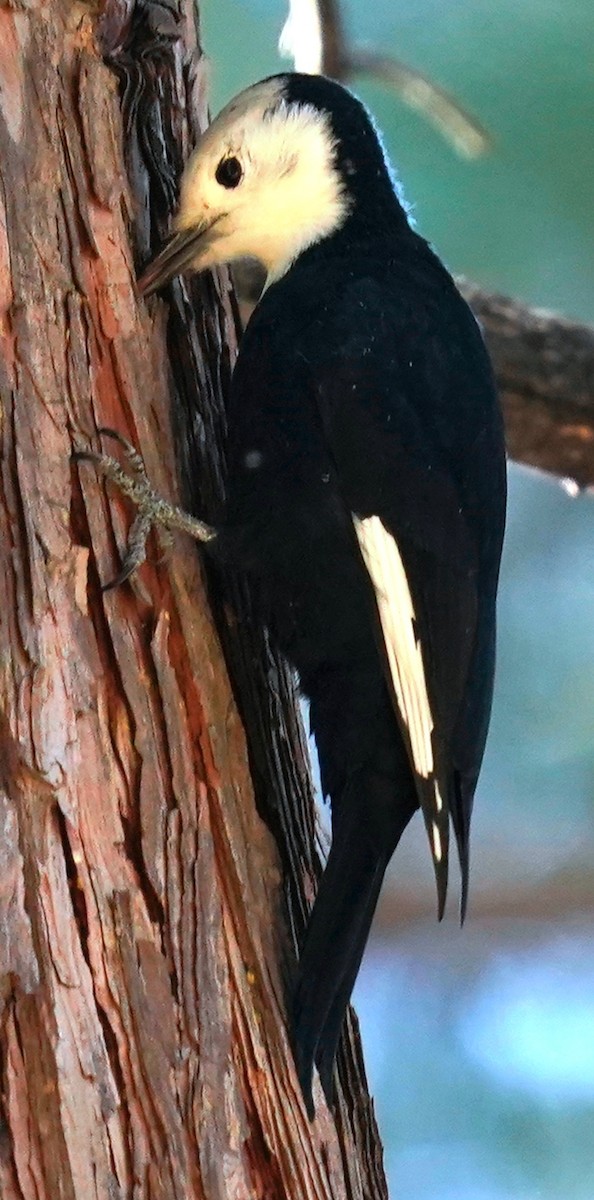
144, 903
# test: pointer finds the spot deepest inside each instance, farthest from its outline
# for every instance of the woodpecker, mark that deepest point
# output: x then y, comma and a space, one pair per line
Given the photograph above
366, 493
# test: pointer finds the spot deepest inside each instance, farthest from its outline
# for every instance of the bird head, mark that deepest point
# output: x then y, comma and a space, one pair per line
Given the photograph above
279, 169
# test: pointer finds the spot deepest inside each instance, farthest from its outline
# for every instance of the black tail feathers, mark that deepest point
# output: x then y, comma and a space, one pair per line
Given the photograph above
335, 940
461, 810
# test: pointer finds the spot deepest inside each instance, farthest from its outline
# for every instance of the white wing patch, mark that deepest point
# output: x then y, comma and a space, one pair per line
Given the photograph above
397, 615
436, 836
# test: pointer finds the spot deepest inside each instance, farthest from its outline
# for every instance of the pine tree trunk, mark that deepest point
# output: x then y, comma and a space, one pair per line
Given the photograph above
153, 869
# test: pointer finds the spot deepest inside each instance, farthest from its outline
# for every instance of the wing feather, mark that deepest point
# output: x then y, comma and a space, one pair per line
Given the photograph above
404, 657
409, 411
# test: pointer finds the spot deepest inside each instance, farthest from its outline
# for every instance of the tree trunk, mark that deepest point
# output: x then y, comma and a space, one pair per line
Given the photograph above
153, 871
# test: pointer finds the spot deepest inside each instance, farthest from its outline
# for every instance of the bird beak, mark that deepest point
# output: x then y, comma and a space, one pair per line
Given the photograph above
189, 247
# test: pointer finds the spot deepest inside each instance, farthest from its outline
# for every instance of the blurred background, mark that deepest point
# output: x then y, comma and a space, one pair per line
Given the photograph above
480, 1042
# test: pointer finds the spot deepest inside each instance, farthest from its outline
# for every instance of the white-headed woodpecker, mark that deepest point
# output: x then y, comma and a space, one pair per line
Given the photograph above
366, 491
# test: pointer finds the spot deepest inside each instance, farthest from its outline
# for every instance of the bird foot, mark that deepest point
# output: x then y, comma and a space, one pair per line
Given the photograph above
153, 511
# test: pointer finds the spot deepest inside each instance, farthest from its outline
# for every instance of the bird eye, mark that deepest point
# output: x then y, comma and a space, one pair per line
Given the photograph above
229, 172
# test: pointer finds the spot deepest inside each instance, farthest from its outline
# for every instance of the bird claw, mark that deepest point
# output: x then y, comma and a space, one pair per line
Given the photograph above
153, 511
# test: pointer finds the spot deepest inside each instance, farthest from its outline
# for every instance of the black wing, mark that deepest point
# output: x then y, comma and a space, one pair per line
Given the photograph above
409, 411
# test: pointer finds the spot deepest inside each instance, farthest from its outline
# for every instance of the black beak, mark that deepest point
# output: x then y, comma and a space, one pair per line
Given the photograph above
180, 251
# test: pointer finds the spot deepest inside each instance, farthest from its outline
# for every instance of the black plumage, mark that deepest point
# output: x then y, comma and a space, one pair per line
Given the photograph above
363, 406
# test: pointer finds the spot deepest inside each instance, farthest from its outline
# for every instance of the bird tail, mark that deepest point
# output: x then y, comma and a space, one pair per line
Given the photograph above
365, 769
335, 940
461, 810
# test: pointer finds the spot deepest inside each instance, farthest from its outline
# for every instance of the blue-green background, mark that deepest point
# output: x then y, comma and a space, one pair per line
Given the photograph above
480, 1043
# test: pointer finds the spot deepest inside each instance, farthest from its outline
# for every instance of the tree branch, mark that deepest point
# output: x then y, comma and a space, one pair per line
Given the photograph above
545, 373
314, 37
